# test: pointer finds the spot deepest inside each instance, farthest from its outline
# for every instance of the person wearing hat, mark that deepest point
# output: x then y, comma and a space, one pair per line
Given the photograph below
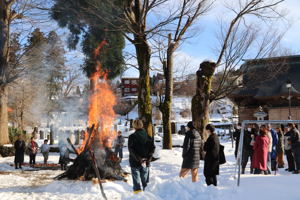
211, 161
191, 154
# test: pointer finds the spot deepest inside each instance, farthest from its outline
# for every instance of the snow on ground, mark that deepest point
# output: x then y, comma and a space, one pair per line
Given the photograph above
164, 182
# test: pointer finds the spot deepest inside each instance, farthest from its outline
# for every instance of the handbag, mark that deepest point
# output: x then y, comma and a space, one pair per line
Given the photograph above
222, 158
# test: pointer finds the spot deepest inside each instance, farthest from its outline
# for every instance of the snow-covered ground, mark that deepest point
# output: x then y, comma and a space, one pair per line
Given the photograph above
164, 182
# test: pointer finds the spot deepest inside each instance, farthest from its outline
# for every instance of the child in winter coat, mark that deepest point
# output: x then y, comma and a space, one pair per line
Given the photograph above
45, 151
32, 148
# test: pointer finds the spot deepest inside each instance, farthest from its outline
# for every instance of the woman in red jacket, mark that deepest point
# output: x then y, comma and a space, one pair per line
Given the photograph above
260, 157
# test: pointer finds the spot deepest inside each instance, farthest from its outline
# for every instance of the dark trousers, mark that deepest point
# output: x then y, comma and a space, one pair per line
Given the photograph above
211, 180
119, 152
32, 159
296, 153
290, 159
245, 158
18, 165
140, 177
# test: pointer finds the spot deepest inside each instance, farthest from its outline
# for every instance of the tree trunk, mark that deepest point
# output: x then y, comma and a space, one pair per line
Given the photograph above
166, 106
4, 57
144, 95
4, 138
201, 101
51, 135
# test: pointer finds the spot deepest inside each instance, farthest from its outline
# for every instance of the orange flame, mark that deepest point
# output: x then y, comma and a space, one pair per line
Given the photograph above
101, 103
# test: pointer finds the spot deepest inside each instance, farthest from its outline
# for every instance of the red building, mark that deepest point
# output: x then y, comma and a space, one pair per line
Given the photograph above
129, 86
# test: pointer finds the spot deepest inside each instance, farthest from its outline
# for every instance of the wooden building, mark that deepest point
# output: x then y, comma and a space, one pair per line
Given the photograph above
129, 86
270, 83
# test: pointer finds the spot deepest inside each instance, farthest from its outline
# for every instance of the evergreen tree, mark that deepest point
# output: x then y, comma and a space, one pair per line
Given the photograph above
76, 16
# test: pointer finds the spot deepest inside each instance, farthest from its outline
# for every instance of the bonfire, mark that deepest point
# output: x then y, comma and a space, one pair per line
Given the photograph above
95, 158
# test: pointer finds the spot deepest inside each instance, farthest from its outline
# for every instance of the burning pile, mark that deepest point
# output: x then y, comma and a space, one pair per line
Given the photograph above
95, 151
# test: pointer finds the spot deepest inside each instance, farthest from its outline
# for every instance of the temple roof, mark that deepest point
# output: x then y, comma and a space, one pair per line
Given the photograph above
273, 86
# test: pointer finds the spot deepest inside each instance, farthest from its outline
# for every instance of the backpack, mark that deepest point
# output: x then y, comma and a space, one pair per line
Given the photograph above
222, 158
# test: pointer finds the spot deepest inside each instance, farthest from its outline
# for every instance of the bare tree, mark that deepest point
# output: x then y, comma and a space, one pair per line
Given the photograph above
140, 22
237, 40
190, 11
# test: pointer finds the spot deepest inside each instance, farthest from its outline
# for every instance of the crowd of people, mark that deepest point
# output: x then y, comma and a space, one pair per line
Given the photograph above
31, 149
265, 148
262, 145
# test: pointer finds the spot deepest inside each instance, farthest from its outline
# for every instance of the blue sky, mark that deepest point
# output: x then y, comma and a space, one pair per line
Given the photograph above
193, 51
201, 47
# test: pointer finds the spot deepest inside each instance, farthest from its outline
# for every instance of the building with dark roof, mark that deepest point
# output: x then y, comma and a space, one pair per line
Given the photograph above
265, 84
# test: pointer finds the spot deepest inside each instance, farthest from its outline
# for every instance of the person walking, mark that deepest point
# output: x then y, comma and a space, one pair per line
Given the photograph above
141, 148
261, 150
280, 148
191, 154
211, 161
295, 144
119, 144
45, 151
288, 150
19, 152
32, 148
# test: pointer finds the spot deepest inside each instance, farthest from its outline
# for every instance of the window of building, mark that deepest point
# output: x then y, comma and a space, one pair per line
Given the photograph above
126, 82
133, 89
126, 90
134, 82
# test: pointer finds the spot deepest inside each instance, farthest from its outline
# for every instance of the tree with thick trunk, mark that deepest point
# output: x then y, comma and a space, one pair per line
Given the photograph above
190, 12
236, 41
201, 101
5, 14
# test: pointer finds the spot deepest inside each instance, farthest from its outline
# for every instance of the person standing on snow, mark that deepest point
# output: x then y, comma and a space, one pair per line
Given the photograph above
261, 150
247, 148
279, 147
274, 145
295, 144
119, 143
45, 151
236, 137
32, 148
19, 152
192, 152
211, 161
288, 150
141, 148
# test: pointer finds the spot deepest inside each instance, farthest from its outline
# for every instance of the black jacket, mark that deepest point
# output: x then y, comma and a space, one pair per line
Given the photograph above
192, 150
211, 161
141, 147
294, 138
19, 151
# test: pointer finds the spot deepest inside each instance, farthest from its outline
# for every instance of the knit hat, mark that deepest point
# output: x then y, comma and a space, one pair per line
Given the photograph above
190, 125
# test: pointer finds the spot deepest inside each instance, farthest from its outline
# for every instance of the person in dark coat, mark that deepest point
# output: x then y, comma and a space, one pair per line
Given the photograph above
141, 148
19, 152
279, 148
261, 149
119, 143
211, 161
295, 144
191, 154
288, 150
32, 148
249, 135
236, 137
